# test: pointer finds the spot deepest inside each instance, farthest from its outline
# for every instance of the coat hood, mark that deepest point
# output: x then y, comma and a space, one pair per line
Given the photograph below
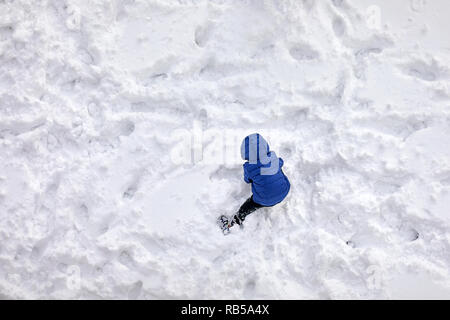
252, 145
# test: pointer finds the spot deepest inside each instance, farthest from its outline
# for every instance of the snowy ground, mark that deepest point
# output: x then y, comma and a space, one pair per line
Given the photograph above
98, 96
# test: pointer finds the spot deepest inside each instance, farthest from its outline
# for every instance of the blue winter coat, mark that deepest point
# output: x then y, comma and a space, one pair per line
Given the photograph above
263, 170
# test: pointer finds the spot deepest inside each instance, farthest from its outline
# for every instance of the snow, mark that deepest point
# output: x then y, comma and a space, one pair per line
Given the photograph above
120, 127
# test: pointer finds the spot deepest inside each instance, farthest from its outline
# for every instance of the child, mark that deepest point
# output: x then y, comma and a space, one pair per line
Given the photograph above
263, 170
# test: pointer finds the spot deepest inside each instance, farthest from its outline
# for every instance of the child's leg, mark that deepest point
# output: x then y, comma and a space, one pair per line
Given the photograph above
247, 207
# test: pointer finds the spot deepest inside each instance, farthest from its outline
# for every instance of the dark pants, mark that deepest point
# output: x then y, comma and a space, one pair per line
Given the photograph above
248, 207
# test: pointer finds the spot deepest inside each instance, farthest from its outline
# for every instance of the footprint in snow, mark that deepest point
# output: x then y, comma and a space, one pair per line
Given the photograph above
422, 70
203, 34
338, 26
303, 51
